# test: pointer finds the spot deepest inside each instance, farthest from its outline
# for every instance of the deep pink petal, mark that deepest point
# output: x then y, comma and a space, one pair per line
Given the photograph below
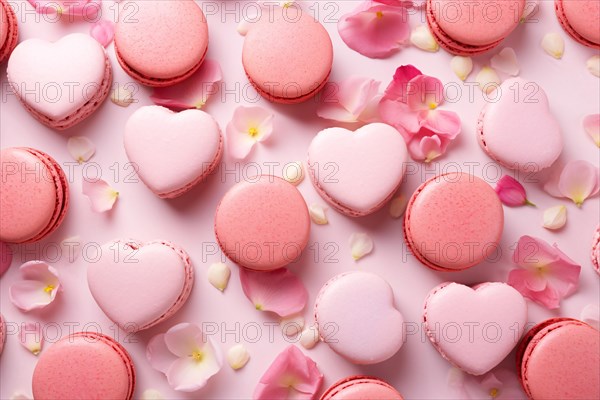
6, 256
277, 291
398, 115
349, 99
102, 196
103, 31
87, 9
398, 87
578, 181
158, 354
424, 93
532, 253
511, 192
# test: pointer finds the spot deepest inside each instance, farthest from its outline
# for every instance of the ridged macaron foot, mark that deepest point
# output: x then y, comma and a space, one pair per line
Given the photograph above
361, 388
580, 18
9, 30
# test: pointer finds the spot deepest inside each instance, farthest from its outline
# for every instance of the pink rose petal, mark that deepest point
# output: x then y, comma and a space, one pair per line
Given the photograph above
591, 124
31, 337
81, 148
87, 9
103, 31
102, 196
578, 181
192, 93
511, 192
352, 100
6, 256
277, 291
591, 315
442, 122
424, 93
292, 375
375, 30
248, 126
38, 288
158, 354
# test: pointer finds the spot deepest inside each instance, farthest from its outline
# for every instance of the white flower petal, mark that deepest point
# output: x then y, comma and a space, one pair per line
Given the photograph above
31, 337
461, 66
555, 217
19, 396
81, 148
218, 275
591, 315
121, 96
318, 214
593, 65
102, 196
309, 337
488, 80
398, 206
237, 356
506, 61
152, 394
292, 326
422, 38
293, 172
361, 244
553, 44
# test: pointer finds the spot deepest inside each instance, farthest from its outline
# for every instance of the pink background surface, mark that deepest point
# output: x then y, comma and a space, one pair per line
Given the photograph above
417, 370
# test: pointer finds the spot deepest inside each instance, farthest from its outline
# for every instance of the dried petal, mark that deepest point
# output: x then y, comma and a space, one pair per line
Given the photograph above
81, 148
291, 326
555, 217
506, 61
293, 172
237, 356
31, 337
593, 65
318, 214
422, 38
309, 337
553, 44
461, 66
121, 96
398, 206
218, 275
361, 244
488, 80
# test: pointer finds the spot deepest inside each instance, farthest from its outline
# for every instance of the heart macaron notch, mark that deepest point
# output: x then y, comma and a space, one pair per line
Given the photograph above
357, 172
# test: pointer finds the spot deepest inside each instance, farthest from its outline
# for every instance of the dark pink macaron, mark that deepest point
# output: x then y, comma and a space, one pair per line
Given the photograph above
595, 256
581, 20
9, 31
361, 388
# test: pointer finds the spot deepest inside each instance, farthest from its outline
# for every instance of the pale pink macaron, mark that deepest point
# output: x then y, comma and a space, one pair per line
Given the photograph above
263, 223
357, 317
560, 359
453, 222
595, 256
580, 19
25, 218
361, 388
520, 132
160, 43
2, 333
9, 30
287, 54
84, 365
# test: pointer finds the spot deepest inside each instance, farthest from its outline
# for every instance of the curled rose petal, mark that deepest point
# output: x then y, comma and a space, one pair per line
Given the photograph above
39, 286
511, 192
293, 172
277, 291
218, 275
361, 244
152, 394
102, 196
31, 337
237, 357
398, 206
578, 181
318, 214
591, 125
103, 31
554, 45
488, 80
351, 100
192, 93
81, 148
87, 9
506, 61
292, 375
422, 38
591, 315
555, 217
6, 256
249, 125
461, 66
122, 95
593, 65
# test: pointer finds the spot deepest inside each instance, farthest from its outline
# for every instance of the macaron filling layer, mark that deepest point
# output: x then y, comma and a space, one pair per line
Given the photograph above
363, 387
11, 36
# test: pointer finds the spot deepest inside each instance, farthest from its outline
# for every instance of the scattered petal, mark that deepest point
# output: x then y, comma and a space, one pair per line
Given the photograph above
19, 396
121, 96
103, 31
511, 192
248, 126
500, 384
531, 8
309, 337
6, 256
593, 65
88, 9
218, 275
292, 375
152, 394
577, 181
506, 61
292, 326
102, 196
555, 217
38, 288
422, 38
352, 100
361, 245
194, 92
488, 80
554, 45
277, 291
318, 214
293, 172
591, 124
31, 337
461, 66
81, 148
398, 206
238, 357
375, 30
591, 315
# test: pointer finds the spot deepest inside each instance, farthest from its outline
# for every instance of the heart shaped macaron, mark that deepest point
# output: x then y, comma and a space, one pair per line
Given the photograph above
172, 151
475, 328
140, 285
357, 172
60, 83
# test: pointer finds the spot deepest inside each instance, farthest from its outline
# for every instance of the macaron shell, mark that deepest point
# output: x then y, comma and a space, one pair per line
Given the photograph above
287, 55
361, 388
84, 366
2, 333
595, 256
160, 43
562, 361
453, 222
9, 31
262, 224
580, 19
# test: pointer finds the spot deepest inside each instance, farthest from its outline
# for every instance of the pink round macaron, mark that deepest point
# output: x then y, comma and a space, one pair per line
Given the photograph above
580, 19
138, 285
9, 30
2, 333
262, 224
25, 218
161, 43
6, 257
453, 222
467, 28
287, 55
361, 388
595, 256
84, 365
520, 131
560, 359
360, 330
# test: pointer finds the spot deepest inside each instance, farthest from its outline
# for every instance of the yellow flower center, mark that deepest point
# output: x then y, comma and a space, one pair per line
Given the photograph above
252, 132
433, 105
49, 288
379, 14
288, 4
197, 356
259, 307
494, 393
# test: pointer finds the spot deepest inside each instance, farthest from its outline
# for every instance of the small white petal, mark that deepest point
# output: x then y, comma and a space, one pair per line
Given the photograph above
237, 356
318, 214
81, 148
291, 326
531, 8
591, 315
19, 396
218, 275
398, 206
152, 394
555, 217
361, 244
121, 96
488, 80
293, 172
461, 66
309, 337
31, 337
553, 44
506, 61
593, 65
422, 38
